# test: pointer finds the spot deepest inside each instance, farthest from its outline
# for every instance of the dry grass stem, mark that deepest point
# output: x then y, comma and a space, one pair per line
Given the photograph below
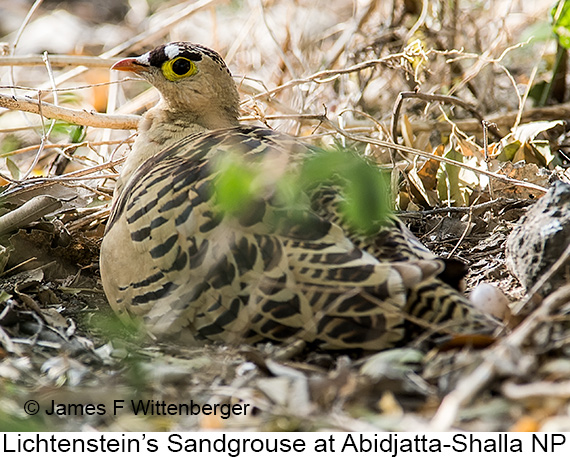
56, 61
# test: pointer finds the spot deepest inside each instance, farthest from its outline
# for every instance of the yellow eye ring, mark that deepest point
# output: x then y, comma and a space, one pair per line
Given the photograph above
178, 68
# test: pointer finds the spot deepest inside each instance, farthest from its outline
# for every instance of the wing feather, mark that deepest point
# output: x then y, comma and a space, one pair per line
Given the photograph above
269, 272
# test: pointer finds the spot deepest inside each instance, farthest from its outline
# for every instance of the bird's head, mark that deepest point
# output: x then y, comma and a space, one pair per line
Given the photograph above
193, 80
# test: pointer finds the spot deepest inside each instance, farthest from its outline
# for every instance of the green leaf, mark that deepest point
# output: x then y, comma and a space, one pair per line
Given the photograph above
366, 203
363, 188
9, 143
561, 24
4, 295
525, 142
449, 186
539, 31
509, 151
77, 133
13, 168
234, 186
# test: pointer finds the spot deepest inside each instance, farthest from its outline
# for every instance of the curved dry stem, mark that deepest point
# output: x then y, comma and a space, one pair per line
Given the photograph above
327, 75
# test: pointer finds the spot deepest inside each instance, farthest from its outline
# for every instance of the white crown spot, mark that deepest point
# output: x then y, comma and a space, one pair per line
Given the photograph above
171, 50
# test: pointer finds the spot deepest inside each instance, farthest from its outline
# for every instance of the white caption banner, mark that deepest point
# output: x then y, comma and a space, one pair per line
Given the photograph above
236, 444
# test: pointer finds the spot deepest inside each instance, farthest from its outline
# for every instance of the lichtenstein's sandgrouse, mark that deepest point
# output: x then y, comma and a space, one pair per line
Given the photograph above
192, 272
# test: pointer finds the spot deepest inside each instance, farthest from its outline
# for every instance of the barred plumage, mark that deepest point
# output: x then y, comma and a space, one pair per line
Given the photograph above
192, 272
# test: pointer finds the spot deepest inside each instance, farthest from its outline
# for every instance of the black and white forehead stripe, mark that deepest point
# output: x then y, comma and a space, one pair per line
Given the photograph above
169, 51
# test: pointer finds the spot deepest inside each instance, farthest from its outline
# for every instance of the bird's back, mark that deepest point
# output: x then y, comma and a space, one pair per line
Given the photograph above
269, 269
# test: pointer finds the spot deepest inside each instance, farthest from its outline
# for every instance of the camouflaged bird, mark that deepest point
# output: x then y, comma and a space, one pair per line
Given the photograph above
190, 271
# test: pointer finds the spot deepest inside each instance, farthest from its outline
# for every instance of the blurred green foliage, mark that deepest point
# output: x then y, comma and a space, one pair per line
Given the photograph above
364, 191
560, 14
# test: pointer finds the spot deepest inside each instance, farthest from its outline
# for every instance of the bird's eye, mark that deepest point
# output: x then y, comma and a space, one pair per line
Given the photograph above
178, 68
181, 66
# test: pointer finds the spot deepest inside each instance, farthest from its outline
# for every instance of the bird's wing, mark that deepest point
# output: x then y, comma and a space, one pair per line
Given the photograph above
266, 271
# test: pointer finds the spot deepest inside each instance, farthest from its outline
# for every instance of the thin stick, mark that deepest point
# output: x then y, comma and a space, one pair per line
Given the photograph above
468, 228
461, 209
63, 146
20, 31
83, 174
486, 154
56, 60
278, 47
546, 113
327, 75
421, 20
45, 134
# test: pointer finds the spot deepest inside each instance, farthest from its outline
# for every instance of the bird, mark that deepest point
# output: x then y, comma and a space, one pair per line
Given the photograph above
191, 271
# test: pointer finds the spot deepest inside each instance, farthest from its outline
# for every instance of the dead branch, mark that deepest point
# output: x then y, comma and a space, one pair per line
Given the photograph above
30, 211
507, 120
73, 116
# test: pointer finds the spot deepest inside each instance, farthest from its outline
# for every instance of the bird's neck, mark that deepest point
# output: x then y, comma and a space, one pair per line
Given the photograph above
161, 127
